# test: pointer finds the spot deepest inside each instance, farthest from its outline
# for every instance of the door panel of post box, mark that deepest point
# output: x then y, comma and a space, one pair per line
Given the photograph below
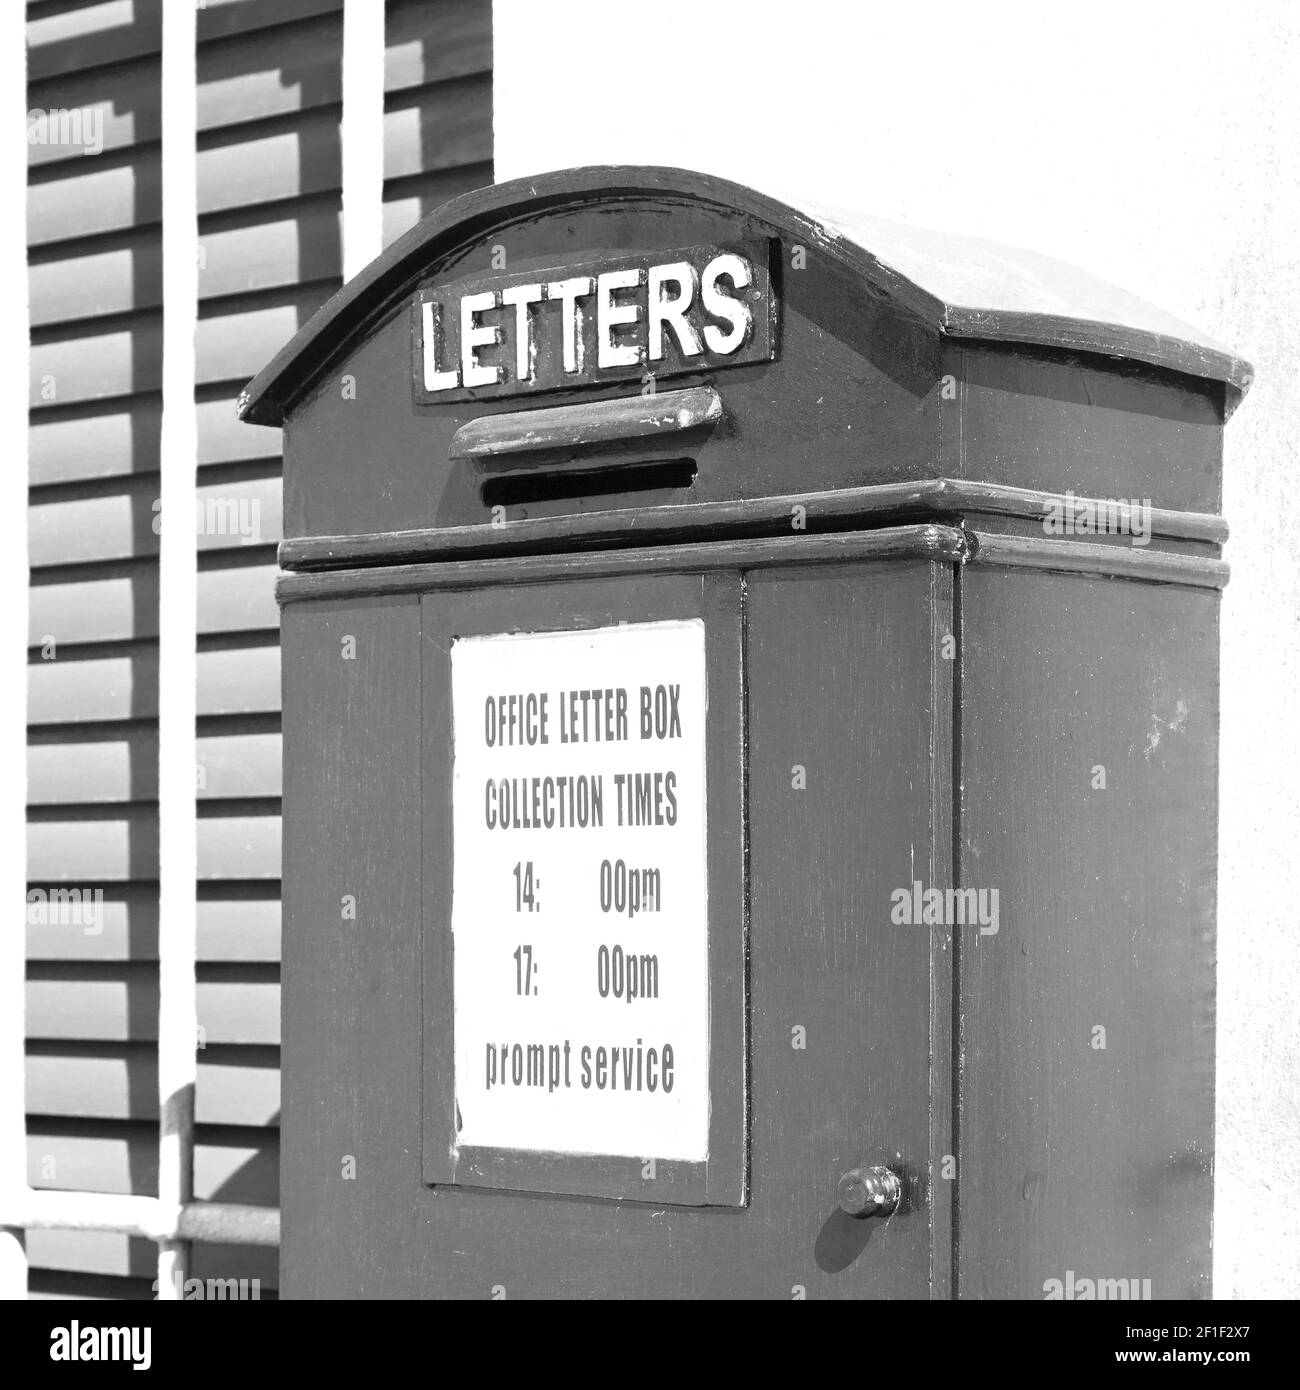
841, 710
351, 939
849, 718
1089, 784
584, 889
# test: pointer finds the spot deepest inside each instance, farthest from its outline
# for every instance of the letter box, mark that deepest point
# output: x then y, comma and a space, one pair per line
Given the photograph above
750, 735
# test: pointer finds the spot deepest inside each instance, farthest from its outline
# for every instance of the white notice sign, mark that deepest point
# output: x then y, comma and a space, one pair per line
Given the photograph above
579, 903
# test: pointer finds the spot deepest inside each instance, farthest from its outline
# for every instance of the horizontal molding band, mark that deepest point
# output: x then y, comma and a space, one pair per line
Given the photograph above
1114, 561
928, 542
221, 1223
1002, 500
931, 497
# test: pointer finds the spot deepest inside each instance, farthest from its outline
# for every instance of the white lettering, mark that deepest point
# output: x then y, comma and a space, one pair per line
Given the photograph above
610, 316
523, 297
663, 310
568, 292
473, 336
724, 306
435, 377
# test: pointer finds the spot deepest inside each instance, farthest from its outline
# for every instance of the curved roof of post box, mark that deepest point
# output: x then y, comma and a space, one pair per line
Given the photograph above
965, 287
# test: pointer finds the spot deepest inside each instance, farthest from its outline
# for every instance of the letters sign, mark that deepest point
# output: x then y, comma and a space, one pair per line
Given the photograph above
625, 318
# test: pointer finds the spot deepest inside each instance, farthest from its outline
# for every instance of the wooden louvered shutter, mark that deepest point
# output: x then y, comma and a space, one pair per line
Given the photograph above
268, 188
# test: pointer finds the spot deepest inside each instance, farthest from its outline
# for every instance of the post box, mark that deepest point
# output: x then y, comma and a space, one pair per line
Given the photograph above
750, 727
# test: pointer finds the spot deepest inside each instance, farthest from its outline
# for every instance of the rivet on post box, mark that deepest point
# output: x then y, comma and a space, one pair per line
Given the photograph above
739, 661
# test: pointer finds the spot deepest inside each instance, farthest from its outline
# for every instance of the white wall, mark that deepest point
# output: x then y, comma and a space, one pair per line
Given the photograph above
1156, 144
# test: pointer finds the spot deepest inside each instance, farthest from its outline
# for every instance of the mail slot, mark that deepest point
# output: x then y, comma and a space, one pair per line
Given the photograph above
750, 725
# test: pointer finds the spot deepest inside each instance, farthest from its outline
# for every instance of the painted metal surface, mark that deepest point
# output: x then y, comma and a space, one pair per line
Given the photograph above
963, 571
815, 976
